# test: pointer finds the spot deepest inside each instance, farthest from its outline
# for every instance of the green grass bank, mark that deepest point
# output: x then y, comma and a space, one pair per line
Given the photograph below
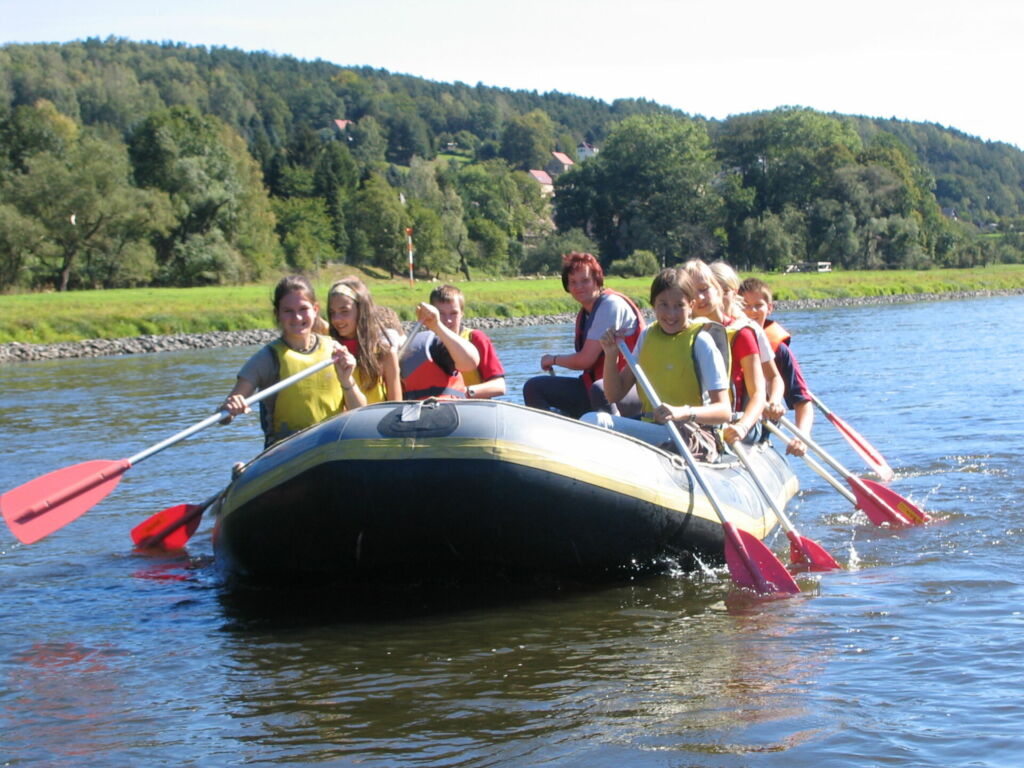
46, 318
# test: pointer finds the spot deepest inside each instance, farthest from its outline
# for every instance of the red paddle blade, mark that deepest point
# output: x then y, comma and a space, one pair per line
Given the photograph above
875, 461
41, 506
877, 509
804, 551
914, 514
753, 565
169, 529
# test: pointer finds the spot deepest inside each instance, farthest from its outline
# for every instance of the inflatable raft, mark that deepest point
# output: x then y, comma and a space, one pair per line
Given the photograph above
490, 490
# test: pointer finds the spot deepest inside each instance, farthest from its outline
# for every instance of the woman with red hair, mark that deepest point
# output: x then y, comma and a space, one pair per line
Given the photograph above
600, 309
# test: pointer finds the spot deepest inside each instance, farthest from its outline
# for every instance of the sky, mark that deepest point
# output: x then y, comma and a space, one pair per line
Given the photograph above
956, 64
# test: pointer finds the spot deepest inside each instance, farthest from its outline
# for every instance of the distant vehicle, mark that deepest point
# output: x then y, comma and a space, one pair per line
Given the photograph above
809, 266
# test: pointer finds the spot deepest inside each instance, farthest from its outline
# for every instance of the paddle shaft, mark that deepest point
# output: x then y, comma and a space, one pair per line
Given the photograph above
210, 420
408, 339
645, 385
820, 470
868, 452
741, 451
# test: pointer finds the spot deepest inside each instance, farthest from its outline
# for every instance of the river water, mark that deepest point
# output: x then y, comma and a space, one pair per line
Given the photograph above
911, 656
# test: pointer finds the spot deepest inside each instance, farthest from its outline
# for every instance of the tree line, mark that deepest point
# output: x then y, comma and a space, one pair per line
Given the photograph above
126, 164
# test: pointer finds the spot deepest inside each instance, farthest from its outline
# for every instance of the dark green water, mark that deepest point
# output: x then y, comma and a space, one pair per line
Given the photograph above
910, 657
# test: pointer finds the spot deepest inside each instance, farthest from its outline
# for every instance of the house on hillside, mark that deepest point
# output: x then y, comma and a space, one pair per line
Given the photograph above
559, 163
547, 186
343, 125
585, 151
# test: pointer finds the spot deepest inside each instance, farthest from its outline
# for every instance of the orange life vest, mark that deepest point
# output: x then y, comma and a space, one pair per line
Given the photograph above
776, 334
423, 378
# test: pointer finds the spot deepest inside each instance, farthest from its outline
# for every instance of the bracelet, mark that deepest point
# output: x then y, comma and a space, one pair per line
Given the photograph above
554, 359
692, 418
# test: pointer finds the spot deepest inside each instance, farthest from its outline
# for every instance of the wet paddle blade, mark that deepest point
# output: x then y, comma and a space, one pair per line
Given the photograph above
914, 514
753, 565
875, 461
169, 529
877, 509
808, 552
39, 507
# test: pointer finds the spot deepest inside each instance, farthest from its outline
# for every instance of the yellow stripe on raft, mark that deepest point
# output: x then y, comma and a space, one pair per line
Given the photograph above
654, 489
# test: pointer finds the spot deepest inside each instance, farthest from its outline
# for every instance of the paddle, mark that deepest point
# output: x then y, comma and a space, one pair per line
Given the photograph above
801, 549
871, 456
171, 528
887, 507
402, 350
41, 506
751, 564
814, 465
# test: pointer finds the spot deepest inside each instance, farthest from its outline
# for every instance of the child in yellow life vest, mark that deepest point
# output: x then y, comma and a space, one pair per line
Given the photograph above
312, 399
686, 367
355, 323
757, 304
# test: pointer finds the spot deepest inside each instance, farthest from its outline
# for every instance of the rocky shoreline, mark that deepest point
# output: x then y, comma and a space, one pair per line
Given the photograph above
15, 352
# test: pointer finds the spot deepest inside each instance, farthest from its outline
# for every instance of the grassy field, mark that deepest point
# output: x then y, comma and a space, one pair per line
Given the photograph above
51, 317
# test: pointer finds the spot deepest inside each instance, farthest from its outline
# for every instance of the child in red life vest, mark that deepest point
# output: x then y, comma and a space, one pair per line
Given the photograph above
487, 380
745, 370
757, 304
302, 344
355, 323
435, 359
600, 309
685, 364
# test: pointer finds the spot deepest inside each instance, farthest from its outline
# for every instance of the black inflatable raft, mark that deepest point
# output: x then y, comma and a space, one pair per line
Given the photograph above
406, 492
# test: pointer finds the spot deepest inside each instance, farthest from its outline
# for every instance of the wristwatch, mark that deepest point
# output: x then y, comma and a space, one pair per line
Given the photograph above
470, 392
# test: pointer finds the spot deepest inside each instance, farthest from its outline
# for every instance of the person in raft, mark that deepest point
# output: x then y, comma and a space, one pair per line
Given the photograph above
600, 309
487, 380
436, 359
747, 391
732, 306
758, 305
356, 325
682, 356
301, 345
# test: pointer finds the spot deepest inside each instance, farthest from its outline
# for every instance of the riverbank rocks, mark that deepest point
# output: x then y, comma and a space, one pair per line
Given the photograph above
14, 352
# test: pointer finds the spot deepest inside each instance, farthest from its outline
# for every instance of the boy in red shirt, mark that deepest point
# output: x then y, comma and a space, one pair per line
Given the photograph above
757, 303
488, 380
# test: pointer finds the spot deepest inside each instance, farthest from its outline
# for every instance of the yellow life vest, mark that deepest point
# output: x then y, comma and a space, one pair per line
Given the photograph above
669, 363
306, 402
378, 393
472, 378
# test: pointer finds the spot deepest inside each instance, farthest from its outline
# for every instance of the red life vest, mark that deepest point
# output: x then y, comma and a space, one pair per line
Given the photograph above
776, 334
583, 321
423, 378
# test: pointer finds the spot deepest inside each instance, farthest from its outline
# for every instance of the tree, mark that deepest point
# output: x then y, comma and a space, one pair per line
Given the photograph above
81, 201
218, 198
526, 140
650, 188
380, 219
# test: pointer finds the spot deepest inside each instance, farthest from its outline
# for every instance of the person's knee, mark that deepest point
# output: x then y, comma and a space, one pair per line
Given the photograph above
598, 419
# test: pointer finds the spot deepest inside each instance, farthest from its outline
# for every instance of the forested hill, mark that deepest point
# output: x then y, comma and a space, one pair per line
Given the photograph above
126, 163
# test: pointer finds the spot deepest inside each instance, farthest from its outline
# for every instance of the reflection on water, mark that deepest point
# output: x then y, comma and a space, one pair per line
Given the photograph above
911, 656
